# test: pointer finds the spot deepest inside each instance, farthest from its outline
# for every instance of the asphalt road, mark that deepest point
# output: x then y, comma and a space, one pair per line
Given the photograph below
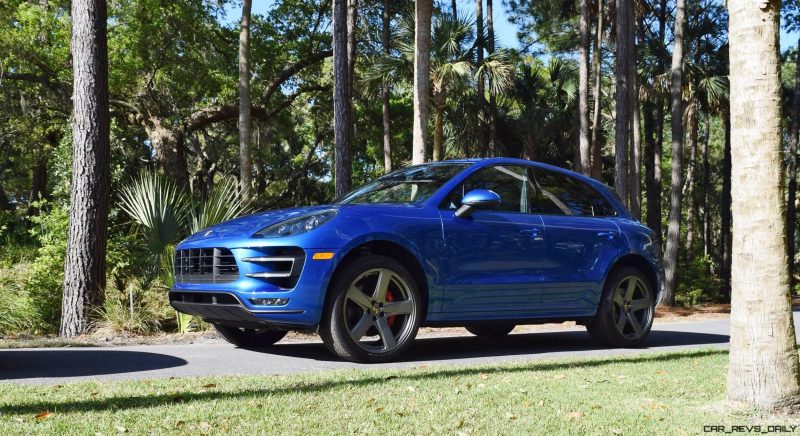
62, 365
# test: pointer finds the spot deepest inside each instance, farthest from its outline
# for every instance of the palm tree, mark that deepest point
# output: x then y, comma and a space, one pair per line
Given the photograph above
452, 66
763, 366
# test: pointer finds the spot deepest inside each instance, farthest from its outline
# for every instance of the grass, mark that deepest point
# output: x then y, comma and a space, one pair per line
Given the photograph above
648, 394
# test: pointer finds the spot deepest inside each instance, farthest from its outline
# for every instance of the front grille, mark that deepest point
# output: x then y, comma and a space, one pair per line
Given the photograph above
205, 265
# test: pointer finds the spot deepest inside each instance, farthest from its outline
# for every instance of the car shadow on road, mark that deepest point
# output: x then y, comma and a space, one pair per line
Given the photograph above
468, 347
58, 363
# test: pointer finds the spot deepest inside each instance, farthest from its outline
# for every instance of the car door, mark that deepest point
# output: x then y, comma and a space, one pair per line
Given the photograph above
582, 240
493, 257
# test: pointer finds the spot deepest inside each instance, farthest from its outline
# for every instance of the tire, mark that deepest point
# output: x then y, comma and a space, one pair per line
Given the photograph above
373, 311
491, 330
250, 338
625, 314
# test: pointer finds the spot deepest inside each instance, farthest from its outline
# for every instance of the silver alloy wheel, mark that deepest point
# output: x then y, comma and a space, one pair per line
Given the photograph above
379, 310
632, 311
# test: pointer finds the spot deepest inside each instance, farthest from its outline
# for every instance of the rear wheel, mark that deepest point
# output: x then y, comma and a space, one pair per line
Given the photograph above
247, 338
626, 310
374, 311
491, 331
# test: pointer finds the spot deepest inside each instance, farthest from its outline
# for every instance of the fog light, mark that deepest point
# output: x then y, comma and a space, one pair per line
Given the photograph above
269, 301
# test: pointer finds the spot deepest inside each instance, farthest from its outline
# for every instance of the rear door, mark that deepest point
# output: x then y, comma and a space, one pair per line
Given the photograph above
581, 241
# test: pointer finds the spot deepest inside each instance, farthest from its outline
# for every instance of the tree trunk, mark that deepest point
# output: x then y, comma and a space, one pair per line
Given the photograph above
674, 227
387, 125
791, 208
168, 145
583, 91
38, 180
342, 101
423, 10
438, 130
596, 149
688, 188
245, 163
725, 211
653, 191
84, 268
483, 139
625, 58
763, 365
454, 8
636, 151
493, 144
706, 183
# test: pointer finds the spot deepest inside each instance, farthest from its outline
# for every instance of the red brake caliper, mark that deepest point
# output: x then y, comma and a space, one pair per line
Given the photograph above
390, 319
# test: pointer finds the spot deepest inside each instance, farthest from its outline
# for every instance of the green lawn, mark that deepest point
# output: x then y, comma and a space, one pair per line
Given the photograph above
654, 393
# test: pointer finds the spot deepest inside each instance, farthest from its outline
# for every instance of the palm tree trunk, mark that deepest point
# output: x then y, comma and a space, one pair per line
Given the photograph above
387, 125
596, 149
624, 60
454, 8
674, 227
483, 139
791, 208
583, 91
84, 268
438, 130
763, 365
653, 192
423, 10
342, 100
245, 164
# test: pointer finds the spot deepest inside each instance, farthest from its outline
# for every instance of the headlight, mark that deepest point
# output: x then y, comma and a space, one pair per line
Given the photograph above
296, 226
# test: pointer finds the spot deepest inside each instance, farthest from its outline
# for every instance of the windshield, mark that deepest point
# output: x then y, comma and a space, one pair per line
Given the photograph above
409, 185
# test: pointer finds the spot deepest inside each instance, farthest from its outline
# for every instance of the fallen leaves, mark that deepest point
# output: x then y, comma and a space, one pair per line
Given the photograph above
44, 415
210, 386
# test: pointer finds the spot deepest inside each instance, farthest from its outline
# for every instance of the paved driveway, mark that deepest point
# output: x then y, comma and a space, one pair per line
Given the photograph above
61, 365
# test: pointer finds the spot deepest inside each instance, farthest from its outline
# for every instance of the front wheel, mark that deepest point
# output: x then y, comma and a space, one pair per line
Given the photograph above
626, 310
250, 338
374, 311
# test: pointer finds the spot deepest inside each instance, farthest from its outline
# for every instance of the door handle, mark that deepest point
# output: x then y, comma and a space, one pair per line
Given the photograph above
534, 233
606, 235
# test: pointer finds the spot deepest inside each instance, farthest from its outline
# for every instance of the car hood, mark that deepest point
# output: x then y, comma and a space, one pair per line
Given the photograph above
248, 225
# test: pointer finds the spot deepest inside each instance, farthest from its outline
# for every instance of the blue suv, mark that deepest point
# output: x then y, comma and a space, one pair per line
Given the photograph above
482, 243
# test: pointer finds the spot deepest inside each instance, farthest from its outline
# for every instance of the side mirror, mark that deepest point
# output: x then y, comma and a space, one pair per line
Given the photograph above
477, 199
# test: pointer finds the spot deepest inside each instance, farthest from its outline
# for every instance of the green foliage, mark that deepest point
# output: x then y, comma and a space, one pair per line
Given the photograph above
129, 310
224, 202
696, 284
18, 314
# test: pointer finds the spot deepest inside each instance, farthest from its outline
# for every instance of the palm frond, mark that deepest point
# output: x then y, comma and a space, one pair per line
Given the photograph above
224, 202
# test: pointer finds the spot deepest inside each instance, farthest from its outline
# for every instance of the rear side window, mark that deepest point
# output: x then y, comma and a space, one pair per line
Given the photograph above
559, 194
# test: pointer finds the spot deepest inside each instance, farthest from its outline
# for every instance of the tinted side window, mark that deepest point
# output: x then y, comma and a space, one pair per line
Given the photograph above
511, 183
559, 194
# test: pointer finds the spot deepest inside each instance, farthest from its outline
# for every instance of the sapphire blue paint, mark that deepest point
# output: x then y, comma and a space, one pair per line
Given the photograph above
489, 265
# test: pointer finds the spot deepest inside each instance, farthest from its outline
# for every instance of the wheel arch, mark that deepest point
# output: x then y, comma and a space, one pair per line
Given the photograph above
641, 263
391, 249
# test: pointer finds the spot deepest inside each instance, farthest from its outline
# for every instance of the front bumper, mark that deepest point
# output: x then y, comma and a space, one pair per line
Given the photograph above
234, 303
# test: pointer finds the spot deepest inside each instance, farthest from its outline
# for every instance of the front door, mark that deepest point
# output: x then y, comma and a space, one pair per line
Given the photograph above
493, 257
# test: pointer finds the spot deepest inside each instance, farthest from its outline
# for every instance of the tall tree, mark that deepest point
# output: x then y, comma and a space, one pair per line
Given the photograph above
763, 365
84, 268
624, 111
483, 139
493, 144
386, 92
423, 12
676, 194
597, 59
342, 99
245, 162
583, 89
725, 210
